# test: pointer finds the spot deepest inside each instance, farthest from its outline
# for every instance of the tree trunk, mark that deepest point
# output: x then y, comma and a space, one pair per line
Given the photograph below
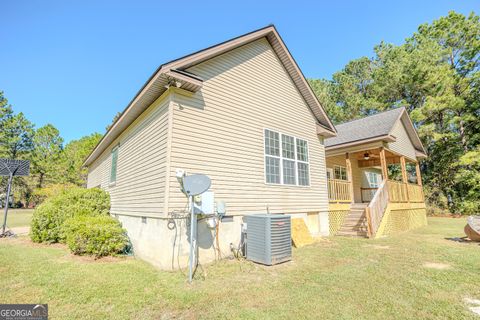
463, 137
40, 179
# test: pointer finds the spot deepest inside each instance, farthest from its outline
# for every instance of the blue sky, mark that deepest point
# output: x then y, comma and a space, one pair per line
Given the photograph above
75, 64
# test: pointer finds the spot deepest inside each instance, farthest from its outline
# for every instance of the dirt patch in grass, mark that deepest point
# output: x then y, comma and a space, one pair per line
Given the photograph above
21, 230
91, 259
26, 241
436, 265
473, 305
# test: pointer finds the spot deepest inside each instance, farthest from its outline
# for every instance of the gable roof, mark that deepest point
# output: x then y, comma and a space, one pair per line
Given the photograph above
173, 73
375, 127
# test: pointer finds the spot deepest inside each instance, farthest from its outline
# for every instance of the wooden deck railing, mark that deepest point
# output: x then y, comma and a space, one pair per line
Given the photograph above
415, 193
376, 208
390, 191
339, 190
397, 191
404, 192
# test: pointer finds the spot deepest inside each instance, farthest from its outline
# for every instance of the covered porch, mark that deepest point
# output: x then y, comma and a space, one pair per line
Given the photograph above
355, 177
374, 180
373, 192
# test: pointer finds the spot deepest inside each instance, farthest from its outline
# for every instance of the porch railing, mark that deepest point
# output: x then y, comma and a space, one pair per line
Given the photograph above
339, 190
397, 191
404, 192
376, 208
415, 193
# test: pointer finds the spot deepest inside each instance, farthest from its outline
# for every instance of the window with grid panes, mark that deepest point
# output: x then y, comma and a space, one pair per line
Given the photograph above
286, 159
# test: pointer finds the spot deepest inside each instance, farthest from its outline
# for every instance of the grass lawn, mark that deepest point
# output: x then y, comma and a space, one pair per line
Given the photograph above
17, 217
418, 275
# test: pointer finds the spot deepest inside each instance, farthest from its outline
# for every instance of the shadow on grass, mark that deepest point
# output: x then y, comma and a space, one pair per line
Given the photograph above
463, 240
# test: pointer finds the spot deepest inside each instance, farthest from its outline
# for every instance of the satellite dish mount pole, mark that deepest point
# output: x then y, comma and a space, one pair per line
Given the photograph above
7, 199
193, 240
11, 168
191, 186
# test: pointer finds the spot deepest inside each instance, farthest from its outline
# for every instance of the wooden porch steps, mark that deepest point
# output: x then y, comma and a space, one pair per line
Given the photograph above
355, 224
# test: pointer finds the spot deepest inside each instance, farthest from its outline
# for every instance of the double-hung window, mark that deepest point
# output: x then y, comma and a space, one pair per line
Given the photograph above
340, 173
286, 159
302, 163
113, 169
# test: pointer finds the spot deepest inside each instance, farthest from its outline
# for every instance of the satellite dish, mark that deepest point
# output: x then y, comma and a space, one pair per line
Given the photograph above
14, 167
196, 184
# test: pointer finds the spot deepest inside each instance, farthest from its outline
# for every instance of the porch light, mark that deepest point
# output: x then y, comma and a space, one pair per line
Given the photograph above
366, 156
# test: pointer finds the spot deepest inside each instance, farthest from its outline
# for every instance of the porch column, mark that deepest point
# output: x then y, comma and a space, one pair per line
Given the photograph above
419, 179
383, 163
404, 177
349, 174
419, 175
404, 169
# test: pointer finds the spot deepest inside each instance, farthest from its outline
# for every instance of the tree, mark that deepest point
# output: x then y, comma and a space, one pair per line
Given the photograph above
47, 148
351, 92
15, 142
15, 131
74, 155
115, 118
435, 75
457, 112
458, 38
16, 136
5, 108
325, 91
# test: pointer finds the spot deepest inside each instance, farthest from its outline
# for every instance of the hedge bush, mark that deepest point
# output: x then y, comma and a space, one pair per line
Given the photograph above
39, 195
49, 217
98, 236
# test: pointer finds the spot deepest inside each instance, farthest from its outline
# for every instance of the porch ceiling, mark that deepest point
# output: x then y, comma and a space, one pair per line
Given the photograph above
373, 152
374, 158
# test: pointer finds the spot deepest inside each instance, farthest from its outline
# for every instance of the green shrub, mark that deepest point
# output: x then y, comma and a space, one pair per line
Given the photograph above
39, 195
98, 236
49, 217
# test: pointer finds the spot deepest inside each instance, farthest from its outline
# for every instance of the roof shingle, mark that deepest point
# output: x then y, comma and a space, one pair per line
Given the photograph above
379, 124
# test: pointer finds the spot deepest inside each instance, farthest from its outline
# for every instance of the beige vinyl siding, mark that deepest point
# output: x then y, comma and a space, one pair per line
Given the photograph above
356, 173
219, 131
403, 145
141, 168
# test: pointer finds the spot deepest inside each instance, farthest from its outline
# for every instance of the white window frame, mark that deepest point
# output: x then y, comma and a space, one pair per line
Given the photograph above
330, 171
281, 158
371, 183
114, 150
341, 167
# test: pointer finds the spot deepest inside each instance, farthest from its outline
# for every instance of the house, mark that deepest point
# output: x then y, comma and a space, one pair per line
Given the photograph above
374, 180
242, 113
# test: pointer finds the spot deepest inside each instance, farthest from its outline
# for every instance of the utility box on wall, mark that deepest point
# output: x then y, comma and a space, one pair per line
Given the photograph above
205, 203
269, 238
